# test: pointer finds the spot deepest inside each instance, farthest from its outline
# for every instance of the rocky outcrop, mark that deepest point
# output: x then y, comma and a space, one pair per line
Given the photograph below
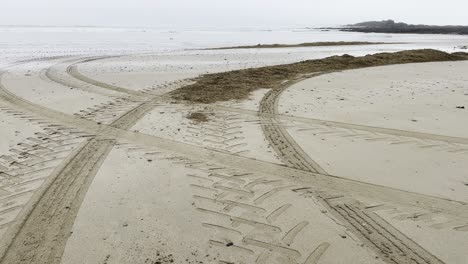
390, 26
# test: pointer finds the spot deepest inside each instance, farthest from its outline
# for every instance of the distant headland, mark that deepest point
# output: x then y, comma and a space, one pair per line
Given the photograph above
390, 26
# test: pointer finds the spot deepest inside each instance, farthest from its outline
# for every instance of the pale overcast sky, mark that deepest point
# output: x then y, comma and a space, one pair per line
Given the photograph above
228, 13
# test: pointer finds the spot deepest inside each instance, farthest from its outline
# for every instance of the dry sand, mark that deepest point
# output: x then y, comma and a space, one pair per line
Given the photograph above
112, 170
421, 98
416, 97
160, 208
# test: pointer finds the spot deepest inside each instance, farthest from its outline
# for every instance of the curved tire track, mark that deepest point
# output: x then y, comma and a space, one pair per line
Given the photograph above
392, 245
41, 234
54, 73
287, 149
336, 183
73, 71
350, 126
111, 133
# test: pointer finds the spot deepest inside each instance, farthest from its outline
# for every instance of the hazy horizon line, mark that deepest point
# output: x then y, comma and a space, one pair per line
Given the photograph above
207, 27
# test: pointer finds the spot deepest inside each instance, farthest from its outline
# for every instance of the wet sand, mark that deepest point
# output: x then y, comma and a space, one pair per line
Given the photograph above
310, 44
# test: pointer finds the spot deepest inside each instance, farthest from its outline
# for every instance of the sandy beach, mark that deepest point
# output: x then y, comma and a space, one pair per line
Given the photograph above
102, 162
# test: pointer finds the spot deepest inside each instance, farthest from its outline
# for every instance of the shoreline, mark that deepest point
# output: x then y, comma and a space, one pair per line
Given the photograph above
306, 44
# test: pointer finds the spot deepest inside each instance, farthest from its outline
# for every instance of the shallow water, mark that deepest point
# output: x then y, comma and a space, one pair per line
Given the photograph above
17, 43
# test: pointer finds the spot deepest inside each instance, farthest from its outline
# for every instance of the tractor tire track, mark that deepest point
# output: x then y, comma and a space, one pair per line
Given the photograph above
254, 213
55, 74
284, 145
336, 183
393, 246
72, 70
40, 235
303, 178
352, 187
388, 242
350, 126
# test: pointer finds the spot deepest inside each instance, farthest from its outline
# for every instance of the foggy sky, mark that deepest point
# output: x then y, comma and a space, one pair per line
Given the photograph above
228, 13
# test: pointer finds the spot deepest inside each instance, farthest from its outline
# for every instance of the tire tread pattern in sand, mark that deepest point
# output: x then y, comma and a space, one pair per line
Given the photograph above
244, 210
287, 149
38, 241
31, 162
253, 239
393, 247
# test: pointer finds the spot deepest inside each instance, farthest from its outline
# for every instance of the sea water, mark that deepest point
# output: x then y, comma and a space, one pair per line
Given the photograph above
20, 43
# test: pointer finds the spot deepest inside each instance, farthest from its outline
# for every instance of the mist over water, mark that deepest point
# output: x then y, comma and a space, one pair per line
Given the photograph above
18, 43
